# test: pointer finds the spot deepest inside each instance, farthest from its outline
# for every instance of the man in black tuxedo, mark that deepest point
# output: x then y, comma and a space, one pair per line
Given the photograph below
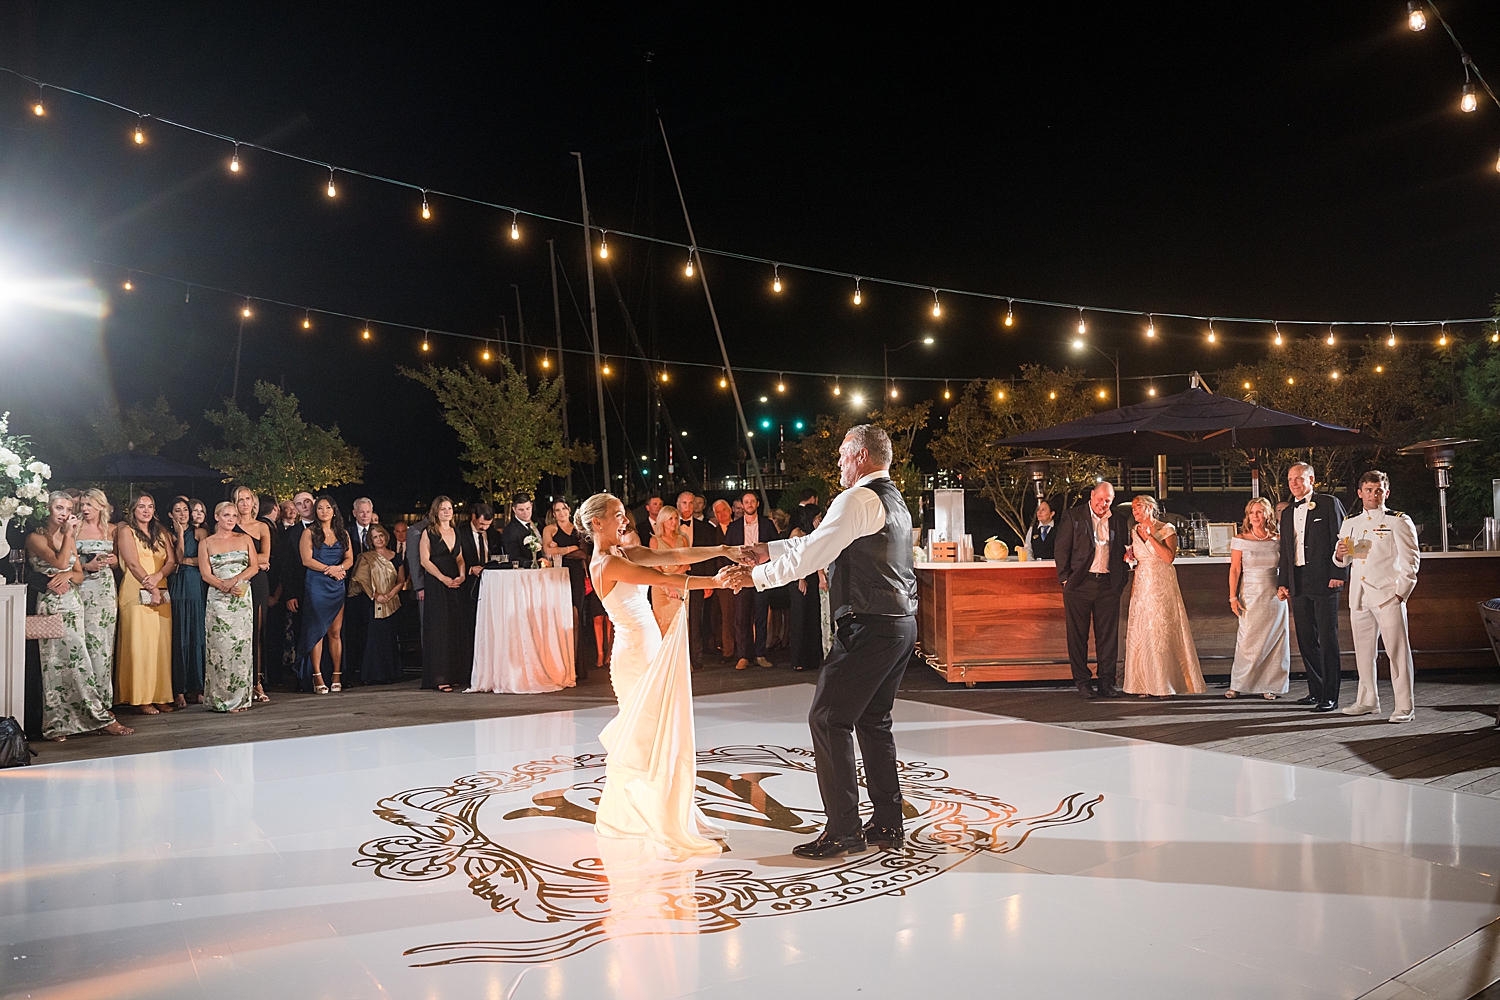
645, 525
517, 531
357, 607
481, 546
752, 608
1090, 554
698, 533
1308, 578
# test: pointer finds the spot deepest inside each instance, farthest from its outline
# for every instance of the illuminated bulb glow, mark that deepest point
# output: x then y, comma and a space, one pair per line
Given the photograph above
426, 211
245, 312
937, 310
37, 109
1329, 340
425, 347
857, 399
1416, 18
1379, 369
1391, 340
1333, 375
894, 393
128, 286
1212, 337
1101, 393
1000, 394
1052, 395
604, 246
1151, 327
1443, 340
140, 136
775, 277
365, 334
515, 225
664, 376
1082, 327
836, 390
234, 163
1247, 385
546, 361
1290, 380
1077, 344
1470, 101
606, 368
307, 322
946, 393
1151, 391
486, 355
1010, 318
333, 192
689, 269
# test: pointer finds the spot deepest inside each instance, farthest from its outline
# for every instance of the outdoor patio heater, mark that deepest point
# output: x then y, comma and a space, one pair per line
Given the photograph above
1439, 454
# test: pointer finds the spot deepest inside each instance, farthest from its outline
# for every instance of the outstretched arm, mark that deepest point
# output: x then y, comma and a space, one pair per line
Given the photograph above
642, 555
853, 514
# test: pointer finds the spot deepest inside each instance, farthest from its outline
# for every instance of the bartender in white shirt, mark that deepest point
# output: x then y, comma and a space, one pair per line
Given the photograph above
1381, 547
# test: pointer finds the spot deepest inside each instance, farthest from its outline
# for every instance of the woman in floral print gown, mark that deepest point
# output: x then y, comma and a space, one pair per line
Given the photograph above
96, 555
75, 696
228, 561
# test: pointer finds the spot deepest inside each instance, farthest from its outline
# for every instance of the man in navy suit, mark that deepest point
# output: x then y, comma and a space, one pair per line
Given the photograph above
752, 608
1308, 578
1090, 553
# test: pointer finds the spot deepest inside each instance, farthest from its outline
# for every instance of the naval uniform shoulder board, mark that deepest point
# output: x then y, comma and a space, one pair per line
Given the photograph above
1395, 513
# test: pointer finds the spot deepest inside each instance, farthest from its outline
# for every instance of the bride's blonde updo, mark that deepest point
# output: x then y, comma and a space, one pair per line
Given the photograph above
591, 509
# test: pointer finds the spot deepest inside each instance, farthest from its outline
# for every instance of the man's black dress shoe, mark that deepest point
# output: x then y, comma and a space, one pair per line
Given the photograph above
1309, 700
1325, 706
1087, 690
1109, 691
884, 836
831, 847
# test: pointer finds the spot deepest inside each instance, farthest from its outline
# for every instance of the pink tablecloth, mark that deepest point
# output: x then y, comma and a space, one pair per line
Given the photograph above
523, 636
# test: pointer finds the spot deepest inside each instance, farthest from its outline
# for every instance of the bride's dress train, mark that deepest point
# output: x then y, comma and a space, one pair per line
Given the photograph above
651, 770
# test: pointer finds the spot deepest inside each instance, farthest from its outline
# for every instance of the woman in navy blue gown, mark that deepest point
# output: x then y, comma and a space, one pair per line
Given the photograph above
327, 556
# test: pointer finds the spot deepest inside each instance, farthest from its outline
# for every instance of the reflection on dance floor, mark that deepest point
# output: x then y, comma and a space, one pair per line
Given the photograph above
458, 860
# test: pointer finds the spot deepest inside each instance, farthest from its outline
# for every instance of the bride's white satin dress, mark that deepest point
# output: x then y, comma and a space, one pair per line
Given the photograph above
651, 772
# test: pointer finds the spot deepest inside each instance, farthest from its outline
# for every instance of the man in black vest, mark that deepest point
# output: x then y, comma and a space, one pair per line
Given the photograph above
1308, 578
873, 592
1090, 553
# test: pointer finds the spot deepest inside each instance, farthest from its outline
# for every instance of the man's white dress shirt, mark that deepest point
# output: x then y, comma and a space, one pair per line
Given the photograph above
1101, 542
854, 514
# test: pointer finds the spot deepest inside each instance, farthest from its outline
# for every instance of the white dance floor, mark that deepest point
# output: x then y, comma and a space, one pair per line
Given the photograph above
457, 861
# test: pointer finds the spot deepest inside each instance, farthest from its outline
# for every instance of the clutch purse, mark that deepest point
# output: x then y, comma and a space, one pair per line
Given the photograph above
44, 626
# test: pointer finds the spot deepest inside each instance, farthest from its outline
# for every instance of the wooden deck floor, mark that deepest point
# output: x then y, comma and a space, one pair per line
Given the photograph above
1453, 743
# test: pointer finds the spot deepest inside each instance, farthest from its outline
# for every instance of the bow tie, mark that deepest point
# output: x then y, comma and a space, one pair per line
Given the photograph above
1299, 503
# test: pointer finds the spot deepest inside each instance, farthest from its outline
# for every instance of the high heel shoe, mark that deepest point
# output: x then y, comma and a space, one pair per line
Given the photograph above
319, 687
336, 685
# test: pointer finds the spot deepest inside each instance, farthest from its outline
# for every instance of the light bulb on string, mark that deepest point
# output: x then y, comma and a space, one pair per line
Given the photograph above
1010, 313
836, 390
1277, 327
1391, 340
1151, 327
1469, 102
1082, 326
946, 393
1247, 385
1329, 339
1416, 18
425, 345
426, 210
485, 354
1213, 338
515, 225
605, 368
333, 191
1443, 337
775, 277
234, 160
128, 285
1101, 394
140, 134
1290, 380
546, 360
689, 269
1000, 394
664, 375
856, 292
780, 384
723, 381
603, 244
307, 321
937, 310
1151, 390
38, 108
245, 312
1052, 394
1379, 369
1334, 374
365, 333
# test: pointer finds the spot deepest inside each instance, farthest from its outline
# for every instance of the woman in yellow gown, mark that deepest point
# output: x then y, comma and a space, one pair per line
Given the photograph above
144, 663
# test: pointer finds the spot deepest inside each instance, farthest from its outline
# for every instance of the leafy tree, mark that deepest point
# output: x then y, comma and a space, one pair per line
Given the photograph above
141, 428
989, 411
511, 436
816, 455
280, 453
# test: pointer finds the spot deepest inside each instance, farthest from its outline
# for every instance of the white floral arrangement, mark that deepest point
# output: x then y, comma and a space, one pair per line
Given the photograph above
23, 477
533, 542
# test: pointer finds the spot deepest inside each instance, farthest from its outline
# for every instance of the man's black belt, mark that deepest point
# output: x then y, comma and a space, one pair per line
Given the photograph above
1099, 576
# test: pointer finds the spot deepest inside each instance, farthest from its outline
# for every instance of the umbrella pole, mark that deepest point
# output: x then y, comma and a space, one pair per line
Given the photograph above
1161, 478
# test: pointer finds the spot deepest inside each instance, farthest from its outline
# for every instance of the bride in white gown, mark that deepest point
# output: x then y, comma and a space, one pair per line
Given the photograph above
650, 773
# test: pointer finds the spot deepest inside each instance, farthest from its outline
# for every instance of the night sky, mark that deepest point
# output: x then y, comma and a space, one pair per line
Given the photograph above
1296, 161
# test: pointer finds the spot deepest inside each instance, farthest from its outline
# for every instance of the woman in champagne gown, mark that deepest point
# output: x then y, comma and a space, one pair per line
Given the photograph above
144, 673
650, 774
230, 560
1160, 658
1262, 647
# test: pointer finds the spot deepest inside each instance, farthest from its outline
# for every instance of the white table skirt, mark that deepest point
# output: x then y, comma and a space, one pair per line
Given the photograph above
523, 634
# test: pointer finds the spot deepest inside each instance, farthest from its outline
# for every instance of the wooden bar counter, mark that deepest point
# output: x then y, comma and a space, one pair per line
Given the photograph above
1003, 621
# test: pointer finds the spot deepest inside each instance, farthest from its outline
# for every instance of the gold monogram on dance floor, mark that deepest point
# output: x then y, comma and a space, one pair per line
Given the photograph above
554, 909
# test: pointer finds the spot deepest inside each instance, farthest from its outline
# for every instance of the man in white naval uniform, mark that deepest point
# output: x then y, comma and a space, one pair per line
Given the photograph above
1381, 547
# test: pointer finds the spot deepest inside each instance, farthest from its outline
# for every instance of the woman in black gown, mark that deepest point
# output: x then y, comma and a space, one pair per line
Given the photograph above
563, 546
447, 629
806, 627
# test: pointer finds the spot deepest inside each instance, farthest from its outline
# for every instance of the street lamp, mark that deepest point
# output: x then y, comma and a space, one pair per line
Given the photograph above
1114, 360
927, 340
